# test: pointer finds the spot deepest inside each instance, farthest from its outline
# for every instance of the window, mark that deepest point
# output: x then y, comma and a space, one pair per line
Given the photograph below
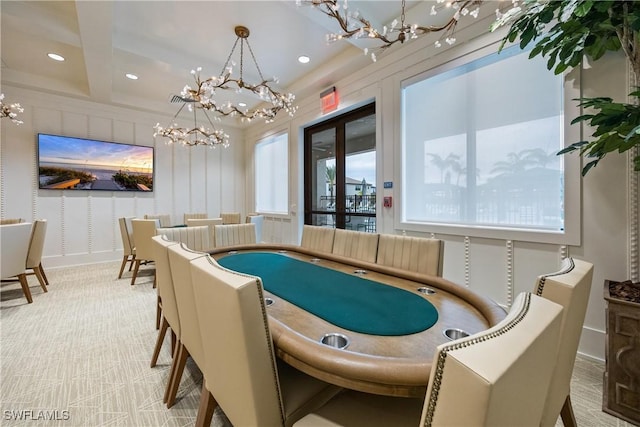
479, 144
272, 174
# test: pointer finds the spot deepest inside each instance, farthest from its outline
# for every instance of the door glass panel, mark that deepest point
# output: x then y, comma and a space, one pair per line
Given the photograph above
360, 174
323, 176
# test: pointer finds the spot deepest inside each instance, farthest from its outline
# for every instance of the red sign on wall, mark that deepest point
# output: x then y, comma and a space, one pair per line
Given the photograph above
329, 99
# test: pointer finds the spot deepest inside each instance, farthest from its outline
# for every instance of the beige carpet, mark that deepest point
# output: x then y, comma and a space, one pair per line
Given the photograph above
80, 354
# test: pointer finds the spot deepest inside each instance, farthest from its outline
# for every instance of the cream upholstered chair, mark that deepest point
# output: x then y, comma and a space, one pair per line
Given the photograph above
166, 292
129, 254
34, 254
356, 244
235, 234
240, 371
258, 220
143, 231
230, 217
12, 262
8, 221
497, 377
318, 238
194, 238
417, 254
190, 343
165, 219
570, 288
209, 222
195, 215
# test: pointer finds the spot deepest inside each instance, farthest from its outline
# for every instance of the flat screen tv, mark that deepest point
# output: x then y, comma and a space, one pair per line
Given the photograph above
86, 164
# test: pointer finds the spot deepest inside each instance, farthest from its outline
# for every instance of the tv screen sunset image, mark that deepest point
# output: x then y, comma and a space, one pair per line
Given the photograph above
86, 164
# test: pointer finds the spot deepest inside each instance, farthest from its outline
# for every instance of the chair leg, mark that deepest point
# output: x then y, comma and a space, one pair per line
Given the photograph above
567, 415
159, 341
135, 272
158, 312
38, 273
173, 341
46, 281
205, 409
25, 287
154, 281
133, 259
124, 262
177, 368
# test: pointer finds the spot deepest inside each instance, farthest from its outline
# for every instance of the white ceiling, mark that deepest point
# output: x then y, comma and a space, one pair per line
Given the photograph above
162, 41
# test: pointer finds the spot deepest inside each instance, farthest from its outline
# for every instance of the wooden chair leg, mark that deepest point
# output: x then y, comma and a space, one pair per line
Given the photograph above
135, 272
159, 341
205, 409
124, 262
173, 341
44, 276
177, 368
567, 415
133, 260
154, 281
38, 274
158, 312
25, 287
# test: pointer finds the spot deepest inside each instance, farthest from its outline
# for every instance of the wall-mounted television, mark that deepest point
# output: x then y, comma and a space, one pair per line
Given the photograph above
66, 163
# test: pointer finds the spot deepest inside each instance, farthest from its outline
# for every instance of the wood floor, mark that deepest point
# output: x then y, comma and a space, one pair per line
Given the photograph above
79, 356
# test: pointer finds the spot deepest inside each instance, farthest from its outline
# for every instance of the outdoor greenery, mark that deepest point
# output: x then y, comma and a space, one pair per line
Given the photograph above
131, 181
63, 174
566, 31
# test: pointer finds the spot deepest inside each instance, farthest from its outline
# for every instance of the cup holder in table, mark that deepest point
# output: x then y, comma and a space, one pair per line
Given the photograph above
454, 333
426, 291
282, 251
314, 260
232, 252
359, 271
336, 340
268, 301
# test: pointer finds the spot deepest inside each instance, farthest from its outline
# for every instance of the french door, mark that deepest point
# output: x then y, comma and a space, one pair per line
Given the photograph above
340, 171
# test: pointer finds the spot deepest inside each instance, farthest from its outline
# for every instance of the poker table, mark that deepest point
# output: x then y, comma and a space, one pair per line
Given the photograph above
355, 324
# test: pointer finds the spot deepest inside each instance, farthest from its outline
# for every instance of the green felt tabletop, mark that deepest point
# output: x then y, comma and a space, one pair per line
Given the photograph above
346, 300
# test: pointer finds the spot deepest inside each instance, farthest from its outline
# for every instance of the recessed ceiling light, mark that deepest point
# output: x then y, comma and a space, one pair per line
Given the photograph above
55, 56
131, 76
303, 59
242, 104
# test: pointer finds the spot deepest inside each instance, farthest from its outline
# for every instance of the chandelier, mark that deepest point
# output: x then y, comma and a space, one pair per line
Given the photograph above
10, 110
204, 92
354, 25
198, 134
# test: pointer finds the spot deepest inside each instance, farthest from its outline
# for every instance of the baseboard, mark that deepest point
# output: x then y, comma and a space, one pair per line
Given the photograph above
592, 343
71, 260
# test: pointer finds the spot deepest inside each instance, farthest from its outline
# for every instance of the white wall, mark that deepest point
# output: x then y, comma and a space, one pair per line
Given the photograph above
82, 225
492, 266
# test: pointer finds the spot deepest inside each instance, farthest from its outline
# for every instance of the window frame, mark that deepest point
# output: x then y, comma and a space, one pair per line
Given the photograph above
270, 139
572, 162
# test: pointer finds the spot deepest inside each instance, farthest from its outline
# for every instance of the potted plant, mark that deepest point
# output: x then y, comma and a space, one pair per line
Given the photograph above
565, 32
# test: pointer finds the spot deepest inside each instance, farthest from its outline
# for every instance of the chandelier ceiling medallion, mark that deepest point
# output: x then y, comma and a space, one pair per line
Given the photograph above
10, 110
354, 25
204, 91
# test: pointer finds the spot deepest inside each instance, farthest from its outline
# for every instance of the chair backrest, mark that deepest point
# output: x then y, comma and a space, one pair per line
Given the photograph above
235, 234
194, 238
258, 220
180, 263
240, 367
143, 231
36, 244
497, 377
8, 221
420, 255
230, 217
195, 215
209, 222
569, 287
318, 238
15, 241
127, 222
165, 282
165, 219
125, 234
356, 244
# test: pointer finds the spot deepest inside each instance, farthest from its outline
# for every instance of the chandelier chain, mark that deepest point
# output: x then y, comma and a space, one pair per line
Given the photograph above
255, 62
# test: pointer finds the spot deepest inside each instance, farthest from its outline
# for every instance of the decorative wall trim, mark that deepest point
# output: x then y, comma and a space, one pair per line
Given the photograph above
509, 245
467, 259
632, 197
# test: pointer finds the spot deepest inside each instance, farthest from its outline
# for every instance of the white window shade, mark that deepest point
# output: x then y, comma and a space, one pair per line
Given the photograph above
272, 174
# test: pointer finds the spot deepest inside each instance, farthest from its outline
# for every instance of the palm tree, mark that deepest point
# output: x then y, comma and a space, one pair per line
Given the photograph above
515, 163
331, 177
449, 162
